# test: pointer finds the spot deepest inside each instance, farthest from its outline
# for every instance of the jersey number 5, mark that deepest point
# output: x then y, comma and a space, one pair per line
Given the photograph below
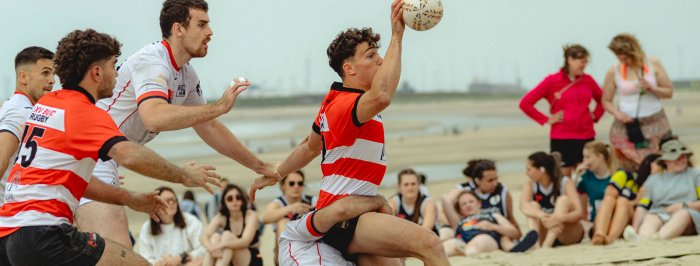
30, 144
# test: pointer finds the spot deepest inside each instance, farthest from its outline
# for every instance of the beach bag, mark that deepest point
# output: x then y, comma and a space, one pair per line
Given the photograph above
634, 131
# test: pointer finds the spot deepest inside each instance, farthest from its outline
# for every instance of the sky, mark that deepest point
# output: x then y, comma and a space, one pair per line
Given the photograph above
280, 45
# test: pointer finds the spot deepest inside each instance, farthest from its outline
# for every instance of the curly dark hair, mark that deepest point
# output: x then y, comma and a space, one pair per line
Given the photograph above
345, 45
32, 54
178, 11
79, 50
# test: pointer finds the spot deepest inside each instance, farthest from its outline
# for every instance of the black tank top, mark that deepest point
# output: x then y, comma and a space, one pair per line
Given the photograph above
256, 238
307, 199
403, 213
494, 202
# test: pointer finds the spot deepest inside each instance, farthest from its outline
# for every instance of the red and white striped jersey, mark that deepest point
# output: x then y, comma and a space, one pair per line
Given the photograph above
354, 159
63, 137
149, 73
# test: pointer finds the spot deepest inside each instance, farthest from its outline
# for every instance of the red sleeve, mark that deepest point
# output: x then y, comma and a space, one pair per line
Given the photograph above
597, 96
527, 103
92, 134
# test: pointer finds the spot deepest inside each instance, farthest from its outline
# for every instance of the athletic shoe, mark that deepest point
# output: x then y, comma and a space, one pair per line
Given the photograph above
526, 243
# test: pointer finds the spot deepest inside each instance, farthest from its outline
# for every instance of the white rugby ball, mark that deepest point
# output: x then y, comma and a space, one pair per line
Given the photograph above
422, 15
237, 80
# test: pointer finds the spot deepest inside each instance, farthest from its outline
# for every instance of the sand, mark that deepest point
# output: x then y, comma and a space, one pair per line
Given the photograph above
504, 143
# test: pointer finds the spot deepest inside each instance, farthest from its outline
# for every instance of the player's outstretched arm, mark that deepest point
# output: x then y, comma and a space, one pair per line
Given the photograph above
148, 203
302, 155
387, 78
158, 115
221, 139
344, 209
146, 162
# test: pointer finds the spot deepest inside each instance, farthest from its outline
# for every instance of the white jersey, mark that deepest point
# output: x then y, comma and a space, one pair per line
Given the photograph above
150, 73
13, 114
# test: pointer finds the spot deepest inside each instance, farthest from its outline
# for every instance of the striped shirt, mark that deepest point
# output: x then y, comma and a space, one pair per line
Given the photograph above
63, 137
354, 159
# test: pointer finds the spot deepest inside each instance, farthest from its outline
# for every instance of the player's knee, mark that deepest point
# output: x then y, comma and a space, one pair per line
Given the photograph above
429, 243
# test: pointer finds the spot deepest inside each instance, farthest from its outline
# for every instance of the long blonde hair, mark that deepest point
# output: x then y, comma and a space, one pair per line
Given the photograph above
628, 45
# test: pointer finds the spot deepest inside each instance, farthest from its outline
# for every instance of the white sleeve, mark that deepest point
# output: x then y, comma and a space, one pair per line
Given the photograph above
149, 78
300, 230
146, 243
194, 232
13, 119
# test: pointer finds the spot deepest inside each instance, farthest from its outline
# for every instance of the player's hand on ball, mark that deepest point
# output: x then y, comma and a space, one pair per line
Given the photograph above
236, 87
397, 23
201, 176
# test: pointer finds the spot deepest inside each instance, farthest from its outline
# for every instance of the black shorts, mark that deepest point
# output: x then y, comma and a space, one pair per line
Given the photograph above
51, 245
255, 257
571, 150
340, 236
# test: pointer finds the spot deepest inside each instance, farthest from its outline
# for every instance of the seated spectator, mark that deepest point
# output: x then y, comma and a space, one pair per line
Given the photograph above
290, 206
411, 204
617, 208
551, 203
211, 208
593, 174
238, 224
493, 195
175, 239
480, 232
672, 195
189, 204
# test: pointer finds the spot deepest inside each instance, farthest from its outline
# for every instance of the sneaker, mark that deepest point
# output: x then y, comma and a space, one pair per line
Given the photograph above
526, 243
629, 234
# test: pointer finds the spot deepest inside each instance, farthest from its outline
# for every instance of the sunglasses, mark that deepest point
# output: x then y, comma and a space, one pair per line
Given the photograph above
230, 198
170, 200
292, 183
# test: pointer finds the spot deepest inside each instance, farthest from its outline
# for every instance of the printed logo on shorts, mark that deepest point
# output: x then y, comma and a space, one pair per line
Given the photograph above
92, 240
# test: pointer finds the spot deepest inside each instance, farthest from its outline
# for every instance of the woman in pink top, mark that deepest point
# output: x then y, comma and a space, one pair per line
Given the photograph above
640, 83
569, 93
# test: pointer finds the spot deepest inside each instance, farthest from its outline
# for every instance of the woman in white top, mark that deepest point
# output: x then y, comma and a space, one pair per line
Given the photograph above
640, 83
175, 239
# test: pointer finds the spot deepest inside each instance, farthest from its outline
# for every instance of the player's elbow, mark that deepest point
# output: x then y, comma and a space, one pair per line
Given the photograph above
383, 100
153, 125
123, 153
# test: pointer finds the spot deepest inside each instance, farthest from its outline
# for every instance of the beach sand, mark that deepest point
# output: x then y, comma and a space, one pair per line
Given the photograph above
503, 143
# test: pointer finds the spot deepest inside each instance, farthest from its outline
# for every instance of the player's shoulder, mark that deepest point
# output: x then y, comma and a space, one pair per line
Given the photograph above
17, 101
151, 54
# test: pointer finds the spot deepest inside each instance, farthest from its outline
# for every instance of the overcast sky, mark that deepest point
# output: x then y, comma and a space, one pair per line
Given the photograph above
281, 44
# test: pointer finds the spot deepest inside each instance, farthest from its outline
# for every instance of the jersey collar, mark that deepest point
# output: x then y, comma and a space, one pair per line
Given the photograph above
170, 54
337, 86
81, 90
17, 91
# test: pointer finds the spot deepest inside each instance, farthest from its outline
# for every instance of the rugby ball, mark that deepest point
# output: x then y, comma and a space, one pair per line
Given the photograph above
422, 15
